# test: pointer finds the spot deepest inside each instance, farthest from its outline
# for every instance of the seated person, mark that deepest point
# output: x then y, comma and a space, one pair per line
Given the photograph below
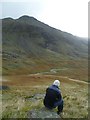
53, 97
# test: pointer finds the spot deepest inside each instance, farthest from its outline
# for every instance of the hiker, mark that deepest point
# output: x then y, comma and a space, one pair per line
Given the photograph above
53, 97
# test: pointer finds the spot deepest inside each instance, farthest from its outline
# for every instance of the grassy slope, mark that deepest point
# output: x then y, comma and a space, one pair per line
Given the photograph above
74, 69
30, 46
16, 103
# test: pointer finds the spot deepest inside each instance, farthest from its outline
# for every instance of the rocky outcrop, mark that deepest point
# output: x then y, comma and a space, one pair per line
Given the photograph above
42, 113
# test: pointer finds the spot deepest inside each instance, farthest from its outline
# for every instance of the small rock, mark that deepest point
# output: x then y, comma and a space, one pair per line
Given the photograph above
4, 87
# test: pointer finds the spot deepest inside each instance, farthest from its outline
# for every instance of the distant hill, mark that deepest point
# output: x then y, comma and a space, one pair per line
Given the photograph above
30, 45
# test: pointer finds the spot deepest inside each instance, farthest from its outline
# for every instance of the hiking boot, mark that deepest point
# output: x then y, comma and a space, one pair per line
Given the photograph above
58, 112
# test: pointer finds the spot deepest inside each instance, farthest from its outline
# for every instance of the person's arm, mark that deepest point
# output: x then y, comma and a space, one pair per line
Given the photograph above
59, 97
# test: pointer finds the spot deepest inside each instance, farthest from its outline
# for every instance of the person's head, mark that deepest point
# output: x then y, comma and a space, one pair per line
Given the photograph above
57, 83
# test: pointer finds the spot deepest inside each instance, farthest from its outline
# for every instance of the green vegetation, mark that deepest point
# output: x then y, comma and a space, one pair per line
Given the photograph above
30, 46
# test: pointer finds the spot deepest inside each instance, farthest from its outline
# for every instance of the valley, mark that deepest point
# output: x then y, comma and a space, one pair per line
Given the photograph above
33, 56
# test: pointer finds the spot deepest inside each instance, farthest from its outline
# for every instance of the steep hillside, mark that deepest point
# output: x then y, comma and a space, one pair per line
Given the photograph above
30, 46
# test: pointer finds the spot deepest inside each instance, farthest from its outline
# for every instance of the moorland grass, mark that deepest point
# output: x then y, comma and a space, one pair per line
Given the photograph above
16, 101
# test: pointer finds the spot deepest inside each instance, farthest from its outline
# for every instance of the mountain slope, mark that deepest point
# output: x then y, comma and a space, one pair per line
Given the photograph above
29, 42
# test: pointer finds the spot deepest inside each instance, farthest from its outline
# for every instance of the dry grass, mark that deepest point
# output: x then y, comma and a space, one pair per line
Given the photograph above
77, 69
15, 105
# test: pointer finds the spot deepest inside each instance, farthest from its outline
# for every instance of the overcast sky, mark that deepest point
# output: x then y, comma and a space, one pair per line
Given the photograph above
67, 15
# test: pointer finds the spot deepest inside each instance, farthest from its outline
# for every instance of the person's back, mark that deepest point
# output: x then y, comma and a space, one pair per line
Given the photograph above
53, 97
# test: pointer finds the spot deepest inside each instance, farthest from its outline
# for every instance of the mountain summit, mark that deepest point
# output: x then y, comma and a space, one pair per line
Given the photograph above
29, 42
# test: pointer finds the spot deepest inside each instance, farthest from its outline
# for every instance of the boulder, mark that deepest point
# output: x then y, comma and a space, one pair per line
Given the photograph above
43, 113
